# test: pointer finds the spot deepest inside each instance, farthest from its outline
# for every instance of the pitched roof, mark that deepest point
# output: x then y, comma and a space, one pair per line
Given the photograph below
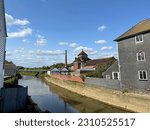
55, 70
99, 61
64, 70
142, 27
82, 53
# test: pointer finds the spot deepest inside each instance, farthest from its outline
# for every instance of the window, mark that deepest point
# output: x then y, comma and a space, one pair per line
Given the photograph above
115, 75
141, 56
142, 75
139, 38
107, 76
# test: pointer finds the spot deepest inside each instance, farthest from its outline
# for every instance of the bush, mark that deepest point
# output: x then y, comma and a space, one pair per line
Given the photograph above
100, 69
125, 91
82, 77
11, 81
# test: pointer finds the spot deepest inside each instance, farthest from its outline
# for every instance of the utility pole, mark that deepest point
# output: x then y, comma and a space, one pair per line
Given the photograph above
3, 36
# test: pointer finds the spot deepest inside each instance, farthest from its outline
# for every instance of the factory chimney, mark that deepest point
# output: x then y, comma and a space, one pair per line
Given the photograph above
66, 59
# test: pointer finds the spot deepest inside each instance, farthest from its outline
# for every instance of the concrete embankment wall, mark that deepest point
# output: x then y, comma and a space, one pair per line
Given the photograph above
101, 82
129, 101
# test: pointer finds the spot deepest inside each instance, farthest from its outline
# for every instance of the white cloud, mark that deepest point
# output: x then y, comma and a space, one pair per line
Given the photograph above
41, 40
35, 58
63, 43
47, 53
26, 41
73, 44
106, 48
102, 28
12, 21
101, 41
86, 49
20, 34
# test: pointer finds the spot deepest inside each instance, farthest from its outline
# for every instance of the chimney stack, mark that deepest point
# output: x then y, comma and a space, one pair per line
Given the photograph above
66, 59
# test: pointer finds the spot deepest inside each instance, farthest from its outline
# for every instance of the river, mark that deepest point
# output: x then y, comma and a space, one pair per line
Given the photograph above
57, 100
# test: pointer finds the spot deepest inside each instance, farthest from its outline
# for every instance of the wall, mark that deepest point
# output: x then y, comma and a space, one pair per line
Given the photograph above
129, 101
3, 36
112, 68
67, 77
13, 99
2, 50
129, 65
99, 82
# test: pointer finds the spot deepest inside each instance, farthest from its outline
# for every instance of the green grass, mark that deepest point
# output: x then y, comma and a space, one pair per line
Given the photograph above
11, 81
28, 73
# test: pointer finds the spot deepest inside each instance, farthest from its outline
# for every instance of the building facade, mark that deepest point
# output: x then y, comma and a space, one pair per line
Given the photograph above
112, 72
80, 61
3, 35
134, 57
10, 70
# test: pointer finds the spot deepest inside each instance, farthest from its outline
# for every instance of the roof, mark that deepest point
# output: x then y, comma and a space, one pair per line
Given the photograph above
142, 27
64, 70
55, 70
82, 53
99, 61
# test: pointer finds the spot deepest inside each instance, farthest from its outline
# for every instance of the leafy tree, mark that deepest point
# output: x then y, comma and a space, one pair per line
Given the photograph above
100, 69
8, 62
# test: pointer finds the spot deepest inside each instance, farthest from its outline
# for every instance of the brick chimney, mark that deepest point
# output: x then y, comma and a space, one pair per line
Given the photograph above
66, 59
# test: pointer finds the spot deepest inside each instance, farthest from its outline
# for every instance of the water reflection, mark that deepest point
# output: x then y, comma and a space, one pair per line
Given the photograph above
55, 99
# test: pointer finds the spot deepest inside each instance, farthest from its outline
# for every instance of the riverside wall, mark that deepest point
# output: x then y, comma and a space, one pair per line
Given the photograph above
129, 101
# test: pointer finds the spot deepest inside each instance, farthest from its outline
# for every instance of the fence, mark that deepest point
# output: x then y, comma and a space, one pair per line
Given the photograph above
13, 99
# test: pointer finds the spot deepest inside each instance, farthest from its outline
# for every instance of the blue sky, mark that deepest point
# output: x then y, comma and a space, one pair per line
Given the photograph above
41, 30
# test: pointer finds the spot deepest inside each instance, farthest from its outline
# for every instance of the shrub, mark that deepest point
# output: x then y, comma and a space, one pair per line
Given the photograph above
125, 91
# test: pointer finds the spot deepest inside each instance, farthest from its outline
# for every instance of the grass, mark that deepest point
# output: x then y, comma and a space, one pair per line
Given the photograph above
28, 73
11, 81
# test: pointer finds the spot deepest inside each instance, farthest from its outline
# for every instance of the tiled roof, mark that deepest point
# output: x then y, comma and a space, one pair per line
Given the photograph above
98, 61
142, 27
82, 53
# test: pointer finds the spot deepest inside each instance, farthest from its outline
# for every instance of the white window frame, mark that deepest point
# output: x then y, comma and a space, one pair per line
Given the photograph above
142, 79
113, 77
138, 36
107, 76
140, 53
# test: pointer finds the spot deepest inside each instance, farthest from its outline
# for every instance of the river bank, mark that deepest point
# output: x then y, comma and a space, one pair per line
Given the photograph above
128, 101
55, 99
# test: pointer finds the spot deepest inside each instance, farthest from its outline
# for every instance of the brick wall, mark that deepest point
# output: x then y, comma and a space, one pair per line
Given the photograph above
67, 77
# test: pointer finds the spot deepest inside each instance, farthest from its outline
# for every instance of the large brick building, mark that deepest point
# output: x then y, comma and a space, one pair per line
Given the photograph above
83, 63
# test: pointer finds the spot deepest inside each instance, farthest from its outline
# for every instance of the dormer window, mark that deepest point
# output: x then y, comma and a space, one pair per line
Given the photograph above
139, 38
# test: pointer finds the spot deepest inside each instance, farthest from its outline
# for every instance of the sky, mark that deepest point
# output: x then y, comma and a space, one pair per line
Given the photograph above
39, 31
